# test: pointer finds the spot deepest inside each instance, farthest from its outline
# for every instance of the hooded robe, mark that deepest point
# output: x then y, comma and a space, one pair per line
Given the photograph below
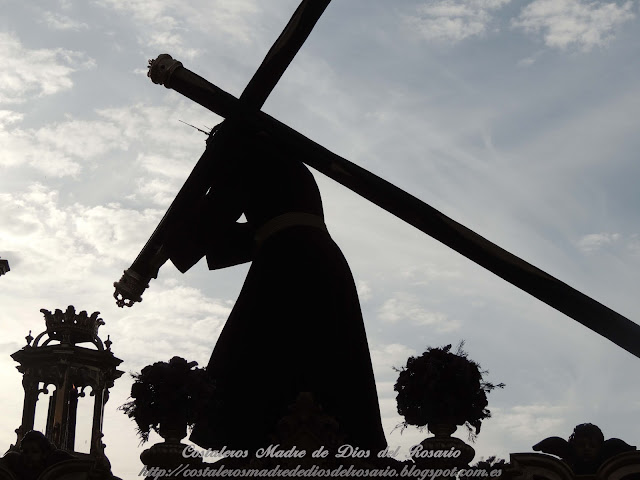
296, 325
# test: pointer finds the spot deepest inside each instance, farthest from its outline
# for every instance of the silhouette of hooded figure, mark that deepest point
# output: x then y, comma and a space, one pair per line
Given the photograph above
296, 325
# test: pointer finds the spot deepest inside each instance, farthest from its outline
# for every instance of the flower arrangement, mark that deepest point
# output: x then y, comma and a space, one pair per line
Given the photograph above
443, 387
168, 393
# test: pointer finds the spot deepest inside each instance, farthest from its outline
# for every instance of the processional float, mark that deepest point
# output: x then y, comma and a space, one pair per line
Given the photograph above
245, 111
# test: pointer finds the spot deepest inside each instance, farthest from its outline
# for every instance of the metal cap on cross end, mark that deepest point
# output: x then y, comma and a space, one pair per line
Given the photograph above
130, 288
161, 69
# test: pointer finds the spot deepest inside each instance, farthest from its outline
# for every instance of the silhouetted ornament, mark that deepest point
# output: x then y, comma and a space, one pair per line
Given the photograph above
161, 69
71, 328
129, 288
167, 397
441, 450
586, 450
440, 387
59, 362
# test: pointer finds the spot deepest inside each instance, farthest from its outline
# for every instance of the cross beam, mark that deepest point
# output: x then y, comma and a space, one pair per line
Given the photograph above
590, 313
525, 276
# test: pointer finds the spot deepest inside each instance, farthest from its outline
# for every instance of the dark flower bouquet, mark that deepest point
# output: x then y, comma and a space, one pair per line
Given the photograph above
443, 387
168, 392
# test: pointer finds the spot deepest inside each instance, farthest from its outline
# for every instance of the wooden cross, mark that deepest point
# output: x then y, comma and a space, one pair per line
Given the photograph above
172, 74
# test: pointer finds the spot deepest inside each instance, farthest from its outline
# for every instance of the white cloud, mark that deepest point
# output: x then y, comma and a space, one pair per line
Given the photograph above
81, 138
364, 291
183, 320
40, 230
407, 309
566, 23
7, 117
159, 127
427, 273
159, 191
21, 146
530, 60
385, 357
454, 20
110, 230
165, 20
58, 21
58, 149
595, 241
161, 165
529, 421
30, 73
61, 149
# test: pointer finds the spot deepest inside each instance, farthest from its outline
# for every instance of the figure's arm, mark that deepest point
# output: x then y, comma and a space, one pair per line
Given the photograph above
231, 245
209, 229
184, 242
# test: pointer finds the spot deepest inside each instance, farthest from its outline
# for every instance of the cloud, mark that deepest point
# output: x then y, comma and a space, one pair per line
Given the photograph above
595, 241
183, 320
81, 138
364, 291
165, 21
161, 165
158, 127
406, 308
42, 232
567, 23
30, 73
529, 421
21, 146
7, 117
57, 21
171, 149
530, 60
427, 273
58, 149
454, 20
159, 191
385, 357
64, 148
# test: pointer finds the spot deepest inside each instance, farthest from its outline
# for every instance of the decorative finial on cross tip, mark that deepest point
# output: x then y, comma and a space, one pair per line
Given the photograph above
130, 288
161, 69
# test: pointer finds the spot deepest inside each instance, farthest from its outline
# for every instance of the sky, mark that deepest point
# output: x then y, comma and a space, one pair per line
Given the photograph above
516, 118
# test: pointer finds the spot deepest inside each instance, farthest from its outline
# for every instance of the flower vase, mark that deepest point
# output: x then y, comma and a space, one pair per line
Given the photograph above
173, 428
442, 450
169, 455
